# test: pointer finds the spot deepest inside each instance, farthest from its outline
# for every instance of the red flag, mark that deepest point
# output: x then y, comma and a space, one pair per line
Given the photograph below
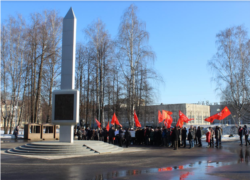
160, 119
98, 123
165, 123
137, 123
212, 118
166, 114
219, 116
184, 118
180, 123
107, 127
114, 119
224, 113
169, 121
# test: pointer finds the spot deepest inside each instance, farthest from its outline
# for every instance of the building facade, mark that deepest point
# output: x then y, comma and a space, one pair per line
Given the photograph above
148, 115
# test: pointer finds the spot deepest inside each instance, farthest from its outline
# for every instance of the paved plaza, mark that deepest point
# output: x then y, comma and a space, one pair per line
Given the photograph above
231, 161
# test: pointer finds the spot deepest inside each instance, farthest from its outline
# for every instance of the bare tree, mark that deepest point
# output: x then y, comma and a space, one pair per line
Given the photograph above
133, 48
231, 68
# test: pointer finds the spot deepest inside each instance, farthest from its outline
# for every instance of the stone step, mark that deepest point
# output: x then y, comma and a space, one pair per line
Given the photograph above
51, 148
51, 152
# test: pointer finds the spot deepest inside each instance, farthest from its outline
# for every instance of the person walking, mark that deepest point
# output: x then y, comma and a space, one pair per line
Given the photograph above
175, 138
127, 137
184, 136
246, 132
198, 136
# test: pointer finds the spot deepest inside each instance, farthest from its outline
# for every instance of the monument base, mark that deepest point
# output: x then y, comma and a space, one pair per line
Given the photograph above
66, 133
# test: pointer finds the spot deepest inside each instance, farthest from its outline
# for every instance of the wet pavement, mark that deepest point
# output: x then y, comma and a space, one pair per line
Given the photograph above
230, 161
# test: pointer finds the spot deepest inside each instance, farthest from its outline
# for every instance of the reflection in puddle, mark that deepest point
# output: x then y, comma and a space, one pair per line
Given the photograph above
198, 169
243, 156
185, 175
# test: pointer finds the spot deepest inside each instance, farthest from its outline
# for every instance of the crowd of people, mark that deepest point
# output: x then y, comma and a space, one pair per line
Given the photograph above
174, 137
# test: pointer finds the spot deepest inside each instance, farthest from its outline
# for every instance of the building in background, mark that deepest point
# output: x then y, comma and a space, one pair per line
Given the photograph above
148, 115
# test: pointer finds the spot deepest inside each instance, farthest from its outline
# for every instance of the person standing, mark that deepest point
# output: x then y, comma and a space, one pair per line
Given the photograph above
217, 136
105, 134
221, 132
208, 137
175, 138
198, 136
179, 137
246, 132
16, 130
120, 136
111, 135
195, 138
184, 136
79, 133
127, 137
163, 137
191, 138
240, 132
168, 137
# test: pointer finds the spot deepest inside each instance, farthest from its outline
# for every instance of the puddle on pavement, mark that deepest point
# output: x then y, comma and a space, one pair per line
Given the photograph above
198, 169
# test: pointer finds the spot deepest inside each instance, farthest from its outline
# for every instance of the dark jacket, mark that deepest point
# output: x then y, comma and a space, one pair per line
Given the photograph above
120, 133
111, 133
198, 133
217, 134
105, 133
127, 135
175, 135
190, 135
184, 134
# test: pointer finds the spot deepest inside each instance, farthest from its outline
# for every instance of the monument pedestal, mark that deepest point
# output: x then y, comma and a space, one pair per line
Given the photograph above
66, 133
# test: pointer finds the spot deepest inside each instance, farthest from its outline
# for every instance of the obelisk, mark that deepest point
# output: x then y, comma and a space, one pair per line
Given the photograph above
65, 106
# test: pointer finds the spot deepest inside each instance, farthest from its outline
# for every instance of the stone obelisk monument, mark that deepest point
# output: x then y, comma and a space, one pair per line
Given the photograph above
65, 107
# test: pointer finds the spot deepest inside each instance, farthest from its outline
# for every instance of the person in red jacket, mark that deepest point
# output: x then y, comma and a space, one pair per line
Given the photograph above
208, 134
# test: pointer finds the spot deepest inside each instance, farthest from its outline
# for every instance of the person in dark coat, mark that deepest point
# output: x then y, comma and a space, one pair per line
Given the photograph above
111, 135
127, 137
184, 136
89, 134
168, 137
105, 134
217, 136
16, 132
198, 136
120, 136
175, 137
172, 137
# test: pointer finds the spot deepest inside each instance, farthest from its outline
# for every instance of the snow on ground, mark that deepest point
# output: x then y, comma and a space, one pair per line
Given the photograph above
11, 136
